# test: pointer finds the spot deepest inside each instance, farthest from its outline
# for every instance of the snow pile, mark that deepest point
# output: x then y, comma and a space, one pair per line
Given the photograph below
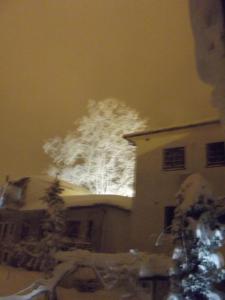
159, 265
15, 279
42, 287
84, 201
193, 188
116, 267
71, 294
145, 264
29, 295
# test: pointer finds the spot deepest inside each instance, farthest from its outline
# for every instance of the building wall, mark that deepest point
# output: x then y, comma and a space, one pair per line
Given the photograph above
10, 225
156, 188
115, 230
31, 223
101, 227
91, 222
109, 228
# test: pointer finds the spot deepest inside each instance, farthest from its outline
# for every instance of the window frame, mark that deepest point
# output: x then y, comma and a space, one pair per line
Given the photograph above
73, 228
174, 165
209, 161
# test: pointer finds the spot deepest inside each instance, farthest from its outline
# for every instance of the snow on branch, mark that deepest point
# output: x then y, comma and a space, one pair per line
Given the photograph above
198, 232
94, 154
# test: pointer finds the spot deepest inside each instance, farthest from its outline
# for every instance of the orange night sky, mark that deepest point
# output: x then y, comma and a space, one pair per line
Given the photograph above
56, 54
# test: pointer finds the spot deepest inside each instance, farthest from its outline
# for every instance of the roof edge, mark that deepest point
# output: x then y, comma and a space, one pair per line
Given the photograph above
129, 136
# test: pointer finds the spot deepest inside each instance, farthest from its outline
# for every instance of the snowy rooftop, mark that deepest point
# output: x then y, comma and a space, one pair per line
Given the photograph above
134, 135
74, 196
84, 201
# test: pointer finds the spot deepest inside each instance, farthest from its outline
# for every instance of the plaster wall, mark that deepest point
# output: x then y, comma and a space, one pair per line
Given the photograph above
109, 228
84, 215
156, 188
115, 231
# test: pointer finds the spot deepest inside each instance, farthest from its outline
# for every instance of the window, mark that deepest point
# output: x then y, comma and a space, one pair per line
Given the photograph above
90, 229
11, 229
5, 230
73, 229
174, 158
5, 256
25, 231
215, 154
168, 218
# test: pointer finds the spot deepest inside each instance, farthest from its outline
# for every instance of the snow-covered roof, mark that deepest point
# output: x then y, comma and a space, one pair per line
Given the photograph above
28, 192
131, 136
74, 196
39, 183
84, 201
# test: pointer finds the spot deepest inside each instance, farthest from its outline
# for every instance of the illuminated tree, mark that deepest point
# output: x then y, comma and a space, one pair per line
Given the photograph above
95, 155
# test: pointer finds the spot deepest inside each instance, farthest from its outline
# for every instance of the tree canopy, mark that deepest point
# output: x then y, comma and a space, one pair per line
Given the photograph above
95, 154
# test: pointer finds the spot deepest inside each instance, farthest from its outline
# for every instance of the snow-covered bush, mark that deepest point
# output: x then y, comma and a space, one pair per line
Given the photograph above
197, 236
95, 155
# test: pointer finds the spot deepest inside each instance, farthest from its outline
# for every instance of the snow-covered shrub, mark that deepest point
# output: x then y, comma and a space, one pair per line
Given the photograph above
197, 236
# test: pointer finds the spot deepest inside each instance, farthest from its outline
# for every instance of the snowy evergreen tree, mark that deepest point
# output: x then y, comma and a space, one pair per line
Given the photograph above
95, 155
197, 236
54, 225
36, 254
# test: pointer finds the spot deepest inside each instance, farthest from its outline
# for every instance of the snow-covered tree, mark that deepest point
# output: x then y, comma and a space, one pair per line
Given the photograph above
39, 254
198, 233
53, 226
95, 155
